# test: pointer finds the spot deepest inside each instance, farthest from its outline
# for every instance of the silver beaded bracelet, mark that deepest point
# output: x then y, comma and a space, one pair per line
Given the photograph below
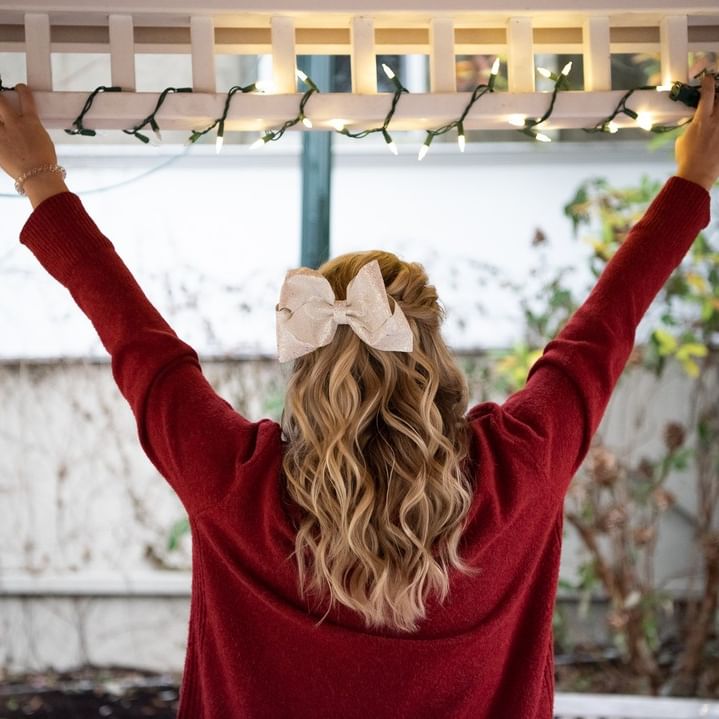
36, 171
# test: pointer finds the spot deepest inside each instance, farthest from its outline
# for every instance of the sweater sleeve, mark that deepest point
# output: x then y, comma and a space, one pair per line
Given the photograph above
568, 388
191, 434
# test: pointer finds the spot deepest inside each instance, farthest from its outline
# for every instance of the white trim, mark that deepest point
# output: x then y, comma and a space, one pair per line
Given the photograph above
605, 706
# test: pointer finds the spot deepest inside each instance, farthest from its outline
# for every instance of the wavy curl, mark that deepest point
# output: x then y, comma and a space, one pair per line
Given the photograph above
377, 458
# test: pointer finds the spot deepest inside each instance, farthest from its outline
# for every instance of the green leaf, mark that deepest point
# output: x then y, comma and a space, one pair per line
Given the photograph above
178, 529
666, 342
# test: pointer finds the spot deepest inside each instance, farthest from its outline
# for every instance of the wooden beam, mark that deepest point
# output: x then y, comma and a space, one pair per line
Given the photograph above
346, 8
363, 60
186, 111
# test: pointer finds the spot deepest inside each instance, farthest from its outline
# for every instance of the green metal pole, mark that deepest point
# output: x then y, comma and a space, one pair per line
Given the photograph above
316, 174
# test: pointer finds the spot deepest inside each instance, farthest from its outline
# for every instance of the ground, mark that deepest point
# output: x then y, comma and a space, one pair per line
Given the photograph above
122, 693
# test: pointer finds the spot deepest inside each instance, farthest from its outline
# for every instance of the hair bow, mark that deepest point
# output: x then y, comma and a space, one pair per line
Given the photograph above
308, 313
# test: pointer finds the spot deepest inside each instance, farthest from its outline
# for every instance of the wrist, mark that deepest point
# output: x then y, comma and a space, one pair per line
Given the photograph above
705, 182
40, 187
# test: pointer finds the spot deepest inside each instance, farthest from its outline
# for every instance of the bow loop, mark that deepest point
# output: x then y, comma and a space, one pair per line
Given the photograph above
308, 313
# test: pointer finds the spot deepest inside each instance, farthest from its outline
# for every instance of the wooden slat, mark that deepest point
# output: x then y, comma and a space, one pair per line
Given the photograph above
284, 59
520, 55
122, 51
597, 55
336, 41
674, 49
442, 69
363, 59
37, 51
202, 38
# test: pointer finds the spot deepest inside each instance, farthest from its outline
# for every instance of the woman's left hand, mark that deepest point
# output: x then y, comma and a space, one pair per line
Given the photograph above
24, 142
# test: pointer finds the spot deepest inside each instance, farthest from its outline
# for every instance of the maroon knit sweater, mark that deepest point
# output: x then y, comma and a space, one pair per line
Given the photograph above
253, 648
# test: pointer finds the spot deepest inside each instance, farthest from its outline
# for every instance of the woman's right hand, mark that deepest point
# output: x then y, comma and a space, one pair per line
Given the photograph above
697, 149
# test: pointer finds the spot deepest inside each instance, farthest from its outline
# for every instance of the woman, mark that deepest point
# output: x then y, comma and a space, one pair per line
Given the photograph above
375, 475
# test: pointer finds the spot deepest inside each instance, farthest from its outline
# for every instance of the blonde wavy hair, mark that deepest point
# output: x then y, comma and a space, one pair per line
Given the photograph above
376, 457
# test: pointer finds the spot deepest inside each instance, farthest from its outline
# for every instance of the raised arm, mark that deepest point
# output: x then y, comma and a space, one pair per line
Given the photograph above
556, 413
192, 435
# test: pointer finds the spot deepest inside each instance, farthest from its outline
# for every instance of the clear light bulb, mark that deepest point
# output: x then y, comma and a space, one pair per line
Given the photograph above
388, 71
218, 144
422, 152
259, 142
517, 120
307, 122
461, 142
393, 148
301, 75
542, 137
264, 86
663, 88
495, 66
338, 124
544, 71
644, 120
567, 68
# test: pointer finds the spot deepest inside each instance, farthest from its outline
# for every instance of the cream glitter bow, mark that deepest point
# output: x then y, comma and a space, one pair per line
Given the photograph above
308, 314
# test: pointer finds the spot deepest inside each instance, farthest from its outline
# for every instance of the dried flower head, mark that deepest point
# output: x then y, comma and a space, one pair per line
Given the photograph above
603, 466
646, 469
663, 498
674, 435
644, 535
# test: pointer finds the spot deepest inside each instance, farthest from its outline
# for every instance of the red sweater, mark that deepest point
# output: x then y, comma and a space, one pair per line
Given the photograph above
253, 648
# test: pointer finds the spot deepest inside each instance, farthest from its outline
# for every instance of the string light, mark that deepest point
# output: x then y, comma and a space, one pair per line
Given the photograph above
398, 90
150, 119
220, 121
77, 127
678, 91
459, 123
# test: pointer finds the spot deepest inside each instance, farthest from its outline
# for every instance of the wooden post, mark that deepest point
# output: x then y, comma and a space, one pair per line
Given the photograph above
202, 39
363, 57
122, 52
442, 71
284, 60
674, 43
597, 55
520, 55
37, 51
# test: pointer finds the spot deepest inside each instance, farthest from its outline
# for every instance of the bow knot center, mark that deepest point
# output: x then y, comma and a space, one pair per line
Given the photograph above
339, 311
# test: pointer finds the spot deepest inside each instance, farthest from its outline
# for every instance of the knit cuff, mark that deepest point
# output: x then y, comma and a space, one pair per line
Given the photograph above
683, 204
61, 234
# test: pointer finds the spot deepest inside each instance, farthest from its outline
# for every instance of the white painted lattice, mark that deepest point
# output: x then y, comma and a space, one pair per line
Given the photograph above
515, 31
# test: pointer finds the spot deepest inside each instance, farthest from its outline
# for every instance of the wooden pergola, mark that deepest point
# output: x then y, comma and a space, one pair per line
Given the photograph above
515, 31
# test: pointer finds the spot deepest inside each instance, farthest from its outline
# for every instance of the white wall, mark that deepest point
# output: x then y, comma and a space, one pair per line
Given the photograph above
225, 229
